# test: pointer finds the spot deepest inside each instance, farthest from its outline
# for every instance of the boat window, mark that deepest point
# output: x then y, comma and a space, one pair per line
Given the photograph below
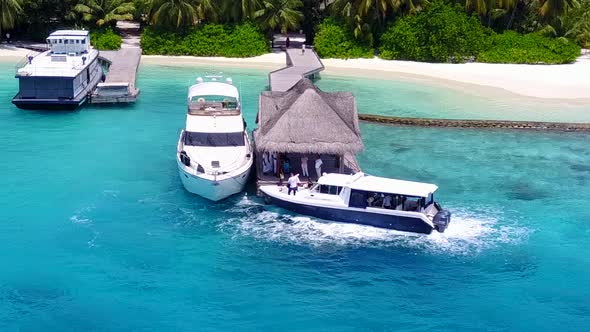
412, 203
358, 199
83, 41
227, 102
334, 190
330, 190
214, 139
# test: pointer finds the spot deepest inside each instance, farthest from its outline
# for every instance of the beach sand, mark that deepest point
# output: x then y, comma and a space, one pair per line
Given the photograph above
11, 53
568, 82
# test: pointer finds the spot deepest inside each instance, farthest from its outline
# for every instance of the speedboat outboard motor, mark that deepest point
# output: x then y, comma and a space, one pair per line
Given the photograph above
185, 159
441, 220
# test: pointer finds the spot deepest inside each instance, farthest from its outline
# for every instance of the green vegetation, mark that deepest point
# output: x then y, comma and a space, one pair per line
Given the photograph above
444, 33
441, 33
511, 47
282, 14
105, 40
334, 41
425, 30
207, 40
9, 12
101, 12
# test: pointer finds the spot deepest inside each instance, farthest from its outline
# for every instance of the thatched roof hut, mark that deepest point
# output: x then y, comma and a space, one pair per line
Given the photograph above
305, 119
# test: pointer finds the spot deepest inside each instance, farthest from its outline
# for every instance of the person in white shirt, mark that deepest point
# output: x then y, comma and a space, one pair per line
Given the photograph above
318, 166
304, 169
293, 183
387, 202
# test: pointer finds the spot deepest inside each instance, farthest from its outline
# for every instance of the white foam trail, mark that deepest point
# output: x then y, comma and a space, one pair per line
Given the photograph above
465, 235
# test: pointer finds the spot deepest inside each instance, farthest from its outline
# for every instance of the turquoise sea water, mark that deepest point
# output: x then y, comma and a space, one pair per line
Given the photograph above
97, 233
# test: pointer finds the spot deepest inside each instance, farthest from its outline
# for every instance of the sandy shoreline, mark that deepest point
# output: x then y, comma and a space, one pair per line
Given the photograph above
558, 82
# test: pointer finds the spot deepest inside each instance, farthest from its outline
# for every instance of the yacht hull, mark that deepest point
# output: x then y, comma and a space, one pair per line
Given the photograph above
396, 222
214, 190
47, 104
96, 76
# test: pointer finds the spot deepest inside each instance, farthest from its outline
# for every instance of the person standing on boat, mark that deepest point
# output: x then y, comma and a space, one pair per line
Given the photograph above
288, 42
318, 166
293, 183
304, 169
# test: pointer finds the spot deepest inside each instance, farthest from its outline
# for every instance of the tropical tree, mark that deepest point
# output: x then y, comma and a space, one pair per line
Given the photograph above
9, 12
550, 9
280, 13
239, 10
368, 17
175, 13
483, 7
101, 12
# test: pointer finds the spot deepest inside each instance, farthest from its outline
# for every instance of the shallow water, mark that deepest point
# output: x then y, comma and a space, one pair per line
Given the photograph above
97, 233
429, 99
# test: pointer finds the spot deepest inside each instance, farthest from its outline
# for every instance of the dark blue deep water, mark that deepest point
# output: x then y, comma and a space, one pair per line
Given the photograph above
97, 233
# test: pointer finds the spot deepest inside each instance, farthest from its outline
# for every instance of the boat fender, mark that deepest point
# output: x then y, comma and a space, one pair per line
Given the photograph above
185, 159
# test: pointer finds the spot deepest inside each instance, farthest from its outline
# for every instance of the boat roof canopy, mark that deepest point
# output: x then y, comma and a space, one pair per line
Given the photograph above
213, 89
363, 182
69, 33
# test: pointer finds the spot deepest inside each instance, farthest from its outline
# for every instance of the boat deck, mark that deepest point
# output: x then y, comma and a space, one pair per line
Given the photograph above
299, 65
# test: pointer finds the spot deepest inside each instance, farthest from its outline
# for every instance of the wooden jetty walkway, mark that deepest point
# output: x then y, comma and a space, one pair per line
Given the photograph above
481, 124
119, 86
299, 65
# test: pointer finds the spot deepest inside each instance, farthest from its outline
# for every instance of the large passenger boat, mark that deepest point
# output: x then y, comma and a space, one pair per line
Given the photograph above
63, 76
368, 200
214, 153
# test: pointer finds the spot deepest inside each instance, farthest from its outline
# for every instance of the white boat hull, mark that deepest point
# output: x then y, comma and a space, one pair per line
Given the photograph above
211, 189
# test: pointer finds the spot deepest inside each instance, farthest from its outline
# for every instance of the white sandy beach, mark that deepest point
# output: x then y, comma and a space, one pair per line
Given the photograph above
569, 82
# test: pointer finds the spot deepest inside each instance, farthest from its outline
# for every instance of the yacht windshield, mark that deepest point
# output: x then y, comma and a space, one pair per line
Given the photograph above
213, 139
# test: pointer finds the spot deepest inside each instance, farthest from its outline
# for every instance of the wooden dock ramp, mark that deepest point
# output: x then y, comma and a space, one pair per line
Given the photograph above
119, 86
299, 65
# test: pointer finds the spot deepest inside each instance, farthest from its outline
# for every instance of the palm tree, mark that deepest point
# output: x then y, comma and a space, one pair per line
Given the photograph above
9, 12
483, 7
101, 12
280, 13
368, 16
551, 9
176, 13
242, 11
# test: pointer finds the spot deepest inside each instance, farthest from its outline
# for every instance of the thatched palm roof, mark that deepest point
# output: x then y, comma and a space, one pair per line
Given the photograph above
305, 119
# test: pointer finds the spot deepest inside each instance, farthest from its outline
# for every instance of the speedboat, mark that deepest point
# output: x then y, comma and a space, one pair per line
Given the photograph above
368, 200
214, 152
62, 77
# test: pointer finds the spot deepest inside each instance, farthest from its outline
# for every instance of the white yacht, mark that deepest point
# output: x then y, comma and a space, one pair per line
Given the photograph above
214, 153
369, 200
63, 76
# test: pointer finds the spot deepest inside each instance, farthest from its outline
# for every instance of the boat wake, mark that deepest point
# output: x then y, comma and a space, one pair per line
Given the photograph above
467, 233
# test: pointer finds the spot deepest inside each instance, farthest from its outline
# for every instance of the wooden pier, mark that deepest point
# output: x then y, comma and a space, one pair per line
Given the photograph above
122, 73
480, 124
119, 86
299, 65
